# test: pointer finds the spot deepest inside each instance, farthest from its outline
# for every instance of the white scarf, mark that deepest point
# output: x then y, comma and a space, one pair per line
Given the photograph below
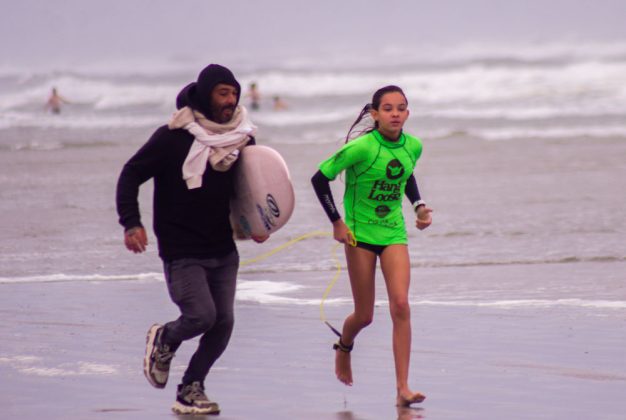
218, 143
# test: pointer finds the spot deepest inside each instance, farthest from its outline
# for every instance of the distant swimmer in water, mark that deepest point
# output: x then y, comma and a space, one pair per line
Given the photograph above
279, 104
254, 95
378, 168
54, 102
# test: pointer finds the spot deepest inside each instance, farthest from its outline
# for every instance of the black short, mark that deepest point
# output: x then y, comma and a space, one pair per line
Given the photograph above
376, 249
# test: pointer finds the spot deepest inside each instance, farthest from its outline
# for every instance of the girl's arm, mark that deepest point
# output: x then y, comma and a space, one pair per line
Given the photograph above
321, 185
424, 219
411, 191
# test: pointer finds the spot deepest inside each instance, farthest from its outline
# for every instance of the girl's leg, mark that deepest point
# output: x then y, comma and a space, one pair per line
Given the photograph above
361, 269
395, 264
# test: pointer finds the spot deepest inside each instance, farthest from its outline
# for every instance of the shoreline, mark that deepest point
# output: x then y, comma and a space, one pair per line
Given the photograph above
74, 350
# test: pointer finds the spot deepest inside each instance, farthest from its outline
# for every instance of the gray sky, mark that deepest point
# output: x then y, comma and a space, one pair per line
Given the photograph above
58, 30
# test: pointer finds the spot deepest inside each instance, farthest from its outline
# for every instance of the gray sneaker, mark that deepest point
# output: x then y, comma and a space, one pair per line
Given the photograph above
190, 399
156, 363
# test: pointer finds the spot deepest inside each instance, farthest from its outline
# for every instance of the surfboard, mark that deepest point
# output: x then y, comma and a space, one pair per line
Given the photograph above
264, 198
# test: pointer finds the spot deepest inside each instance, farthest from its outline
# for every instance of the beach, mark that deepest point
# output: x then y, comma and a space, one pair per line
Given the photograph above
518, 289
74, 350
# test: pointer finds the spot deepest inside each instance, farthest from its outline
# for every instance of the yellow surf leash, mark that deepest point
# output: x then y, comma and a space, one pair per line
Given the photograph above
315, 233
285, 245
329, 288
332, 283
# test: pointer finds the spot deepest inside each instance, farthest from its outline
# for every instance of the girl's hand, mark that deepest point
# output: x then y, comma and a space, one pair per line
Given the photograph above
424, 217
342, 233
259, 239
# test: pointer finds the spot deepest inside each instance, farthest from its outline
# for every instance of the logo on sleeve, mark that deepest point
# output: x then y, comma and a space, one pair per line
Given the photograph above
394, 169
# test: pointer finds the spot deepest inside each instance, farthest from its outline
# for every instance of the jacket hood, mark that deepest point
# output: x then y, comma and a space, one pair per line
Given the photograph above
197, 95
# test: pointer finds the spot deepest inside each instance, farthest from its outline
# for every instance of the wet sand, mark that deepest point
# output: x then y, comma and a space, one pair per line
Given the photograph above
74, 350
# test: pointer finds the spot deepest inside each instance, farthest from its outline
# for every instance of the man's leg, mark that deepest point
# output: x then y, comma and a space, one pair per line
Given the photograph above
188, 288
206, 306
221, 278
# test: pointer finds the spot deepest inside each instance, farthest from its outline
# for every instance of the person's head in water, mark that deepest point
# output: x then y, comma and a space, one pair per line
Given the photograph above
215, 94
389, 111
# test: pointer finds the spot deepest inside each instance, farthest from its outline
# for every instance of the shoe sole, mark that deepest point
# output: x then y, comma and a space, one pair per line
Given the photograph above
179, 408
146, 360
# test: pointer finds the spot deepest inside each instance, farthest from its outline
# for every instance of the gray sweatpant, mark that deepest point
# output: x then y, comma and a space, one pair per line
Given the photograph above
204, 290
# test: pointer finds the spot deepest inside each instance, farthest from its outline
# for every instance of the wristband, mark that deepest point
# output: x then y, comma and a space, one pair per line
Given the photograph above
417, 204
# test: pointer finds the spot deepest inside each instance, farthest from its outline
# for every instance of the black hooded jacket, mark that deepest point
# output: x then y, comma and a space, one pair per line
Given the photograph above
188, 223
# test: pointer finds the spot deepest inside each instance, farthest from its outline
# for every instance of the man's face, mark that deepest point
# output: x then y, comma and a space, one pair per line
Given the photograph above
223, 102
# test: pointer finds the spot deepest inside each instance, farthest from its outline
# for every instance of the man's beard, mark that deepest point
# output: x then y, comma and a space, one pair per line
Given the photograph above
220, 116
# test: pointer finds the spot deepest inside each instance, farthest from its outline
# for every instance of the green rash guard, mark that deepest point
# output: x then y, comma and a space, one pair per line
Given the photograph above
376, 175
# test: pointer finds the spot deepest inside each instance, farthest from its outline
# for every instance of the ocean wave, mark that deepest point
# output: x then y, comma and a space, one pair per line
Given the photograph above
513, 133
69, 121
302, 117
34, 365
442, 56
277, 293
338, 119
53, 145
273, 292
268, 292
465, 82
326, 266
90, 92
529, 261
59, 277
460, 95
527, 303
473, 83
335, 58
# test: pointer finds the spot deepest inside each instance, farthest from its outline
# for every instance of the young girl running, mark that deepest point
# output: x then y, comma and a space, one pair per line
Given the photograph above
379, 167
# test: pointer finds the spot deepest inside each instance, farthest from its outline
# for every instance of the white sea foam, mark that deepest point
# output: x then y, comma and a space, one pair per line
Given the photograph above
472, 82
86, 92
509, 133
20, 359
53, 278
527, 303
289, 293
33, 365
270, 292
277, 293
266, 292
22, 120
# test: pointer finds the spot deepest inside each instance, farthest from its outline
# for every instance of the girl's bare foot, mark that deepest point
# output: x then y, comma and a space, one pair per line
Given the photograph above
343, 367
406, 398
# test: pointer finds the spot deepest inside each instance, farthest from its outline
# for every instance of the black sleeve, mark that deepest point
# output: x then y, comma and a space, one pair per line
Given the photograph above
321, 185
411, 190
140, 168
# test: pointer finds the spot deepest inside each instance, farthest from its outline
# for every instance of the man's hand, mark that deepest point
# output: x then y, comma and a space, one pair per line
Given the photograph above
136, 239
424, 217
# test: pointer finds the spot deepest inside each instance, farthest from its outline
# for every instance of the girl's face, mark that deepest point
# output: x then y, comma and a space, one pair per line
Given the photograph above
391, 114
